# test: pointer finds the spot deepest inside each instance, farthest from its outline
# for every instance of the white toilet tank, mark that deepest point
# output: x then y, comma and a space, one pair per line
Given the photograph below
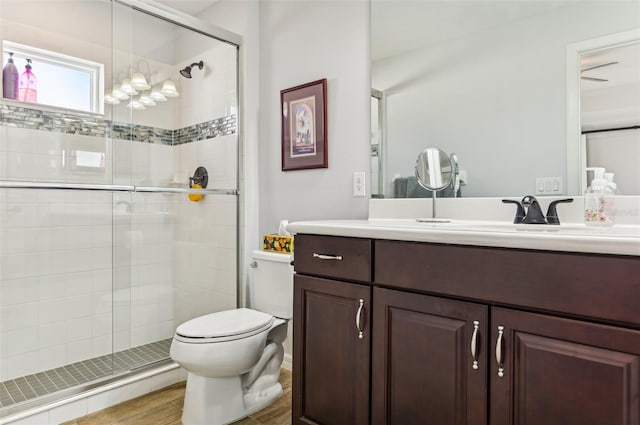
272, 284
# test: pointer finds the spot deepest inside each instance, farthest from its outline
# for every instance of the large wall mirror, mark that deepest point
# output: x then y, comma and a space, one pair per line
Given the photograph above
492, 82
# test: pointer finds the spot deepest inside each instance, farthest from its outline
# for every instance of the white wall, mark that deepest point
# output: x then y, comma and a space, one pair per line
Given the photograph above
496, 98
304, 41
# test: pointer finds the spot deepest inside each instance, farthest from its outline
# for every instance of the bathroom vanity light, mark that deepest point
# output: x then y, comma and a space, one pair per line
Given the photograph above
118, 93
136, 105
127, 87
111, 99
139, 82
147, 100
157, 95
169, 89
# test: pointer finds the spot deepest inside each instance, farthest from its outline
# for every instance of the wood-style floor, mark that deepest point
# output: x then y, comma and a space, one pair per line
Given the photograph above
164, 407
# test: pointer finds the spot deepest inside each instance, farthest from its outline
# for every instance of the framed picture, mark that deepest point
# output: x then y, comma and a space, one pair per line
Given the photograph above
304, 126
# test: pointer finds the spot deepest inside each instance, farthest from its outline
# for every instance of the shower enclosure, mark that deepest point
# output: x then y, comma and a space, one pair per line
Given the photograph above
103, 251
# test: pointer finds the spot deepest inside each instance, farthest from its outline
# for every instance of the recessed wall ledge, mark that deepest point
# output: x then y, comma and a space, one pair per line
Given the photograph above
488, 222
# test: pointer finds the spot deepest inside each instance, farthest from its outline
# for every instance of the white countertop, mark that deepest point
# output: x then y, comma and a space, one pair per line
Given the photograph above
620, 239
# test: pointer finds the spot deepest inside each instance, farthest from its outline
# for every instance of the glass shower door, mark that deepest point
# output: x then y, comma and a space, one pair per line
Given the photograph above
178, 256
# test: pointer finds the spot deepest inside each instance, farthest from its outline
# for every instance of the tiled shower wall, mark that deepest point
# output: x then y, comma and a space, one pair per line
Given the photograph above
67, 257
205, 233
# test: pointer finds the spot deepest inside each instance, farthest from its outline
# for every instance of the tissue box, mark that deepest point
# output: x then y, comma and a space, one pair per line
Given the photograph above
278, 243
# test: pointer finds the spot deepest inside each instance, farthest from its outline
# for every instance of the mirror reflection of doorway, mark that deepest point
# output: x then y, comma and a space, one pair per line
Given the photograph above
610, 113
377, 145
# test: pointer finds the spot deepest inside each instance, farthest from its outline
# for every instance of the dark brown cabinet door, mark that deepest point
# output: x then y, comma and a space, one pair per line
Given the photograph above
331, 353
423, 368
556, 371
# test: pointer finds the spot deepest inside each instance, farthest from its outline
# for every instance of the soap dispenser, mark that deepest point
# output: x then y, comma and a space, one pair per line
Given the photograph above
599, 201
10, 76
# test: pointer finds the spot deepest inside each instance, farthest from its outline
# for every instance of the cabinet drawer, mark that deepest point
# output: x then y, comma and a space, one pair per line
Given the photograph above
332, 256
600, 286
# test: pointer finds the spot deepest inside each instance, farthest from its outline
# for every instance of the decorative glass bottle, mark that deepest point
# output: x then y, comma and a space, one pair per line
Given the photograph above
28, 88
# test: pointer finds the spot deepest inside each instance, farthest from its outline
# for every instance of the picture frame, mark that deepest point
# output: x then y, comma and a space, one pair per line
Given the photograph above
304, 126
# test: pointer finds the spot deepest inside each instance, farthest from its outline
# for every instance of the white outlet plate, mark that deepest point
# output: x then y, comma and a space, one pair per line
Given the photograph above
359, 189
549, 186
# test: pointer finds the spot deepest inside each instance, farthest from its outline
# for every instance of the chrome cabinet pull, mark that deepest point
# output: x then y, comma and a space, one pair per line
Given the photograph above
358, 318
327, 257
499, 353
475, 343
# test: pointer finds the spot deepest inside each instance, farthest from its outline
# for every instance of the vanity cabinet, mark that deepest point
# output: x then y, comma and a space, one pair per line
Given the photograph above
422, 369
560, 371
332, 332
478, 335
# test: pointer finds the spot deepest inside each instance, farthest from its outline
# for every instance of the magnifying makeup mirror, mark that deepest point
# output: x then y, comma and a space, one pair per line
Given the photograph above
433, 172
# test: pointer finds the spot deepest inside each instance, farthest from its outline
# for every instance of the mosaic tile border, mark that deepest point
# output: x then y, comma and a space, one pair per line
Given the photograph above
91, 125
50, 381
208, 130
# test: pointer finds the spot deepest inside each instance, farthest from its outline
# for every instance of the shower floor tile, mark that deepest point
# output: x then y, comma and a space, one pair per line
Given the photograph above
47, 382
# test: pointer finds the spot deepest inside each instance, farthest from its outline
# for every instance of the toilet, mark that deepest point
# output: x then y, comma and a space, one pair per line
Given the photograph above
233, 357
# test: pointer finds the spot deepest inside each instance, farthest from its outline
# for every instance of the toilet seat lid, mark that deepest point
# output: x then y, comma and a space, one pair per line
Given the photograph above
225, 323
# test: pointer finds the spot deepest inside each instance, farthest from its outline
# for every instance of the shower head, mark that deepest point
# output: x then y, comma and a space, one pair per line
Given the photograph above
186, 72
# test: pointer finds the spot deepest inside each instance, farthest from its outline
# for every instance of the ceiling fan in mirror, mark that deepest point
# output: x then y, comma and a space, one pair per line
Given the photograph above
599, 80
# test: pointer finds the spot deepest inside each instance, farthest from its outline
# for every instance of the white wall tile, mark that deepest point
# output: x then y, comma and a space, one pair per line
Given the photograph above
18, 316
104, 400
22, 364
52, 357
52, 334
17, 291
68, 411
79, 350
136, 389
51, 287
79, 307
19, 265
37, 419
122, 340
102, 324
79, 329
101, 345
164, 379
3, 368
101, 279
52, 310
79, 283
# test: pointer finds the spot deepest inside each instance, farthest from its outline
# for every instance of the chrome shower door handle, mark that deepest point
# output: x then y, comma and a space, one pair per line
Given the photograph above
327, 257
359, 318
499, 351
475, 343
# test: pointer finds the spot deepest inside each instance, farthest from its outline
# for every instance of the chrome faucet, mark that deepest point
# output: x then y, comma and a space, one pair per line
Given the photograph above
528, 211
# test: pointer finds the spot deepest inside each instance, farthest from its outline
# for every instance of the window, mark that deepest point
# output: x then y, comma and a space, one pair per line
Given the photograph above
62, 81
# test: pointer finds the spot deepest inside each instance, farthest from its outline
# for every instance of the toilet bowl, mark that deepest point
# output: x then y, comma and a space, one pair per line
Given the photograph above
233, 357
